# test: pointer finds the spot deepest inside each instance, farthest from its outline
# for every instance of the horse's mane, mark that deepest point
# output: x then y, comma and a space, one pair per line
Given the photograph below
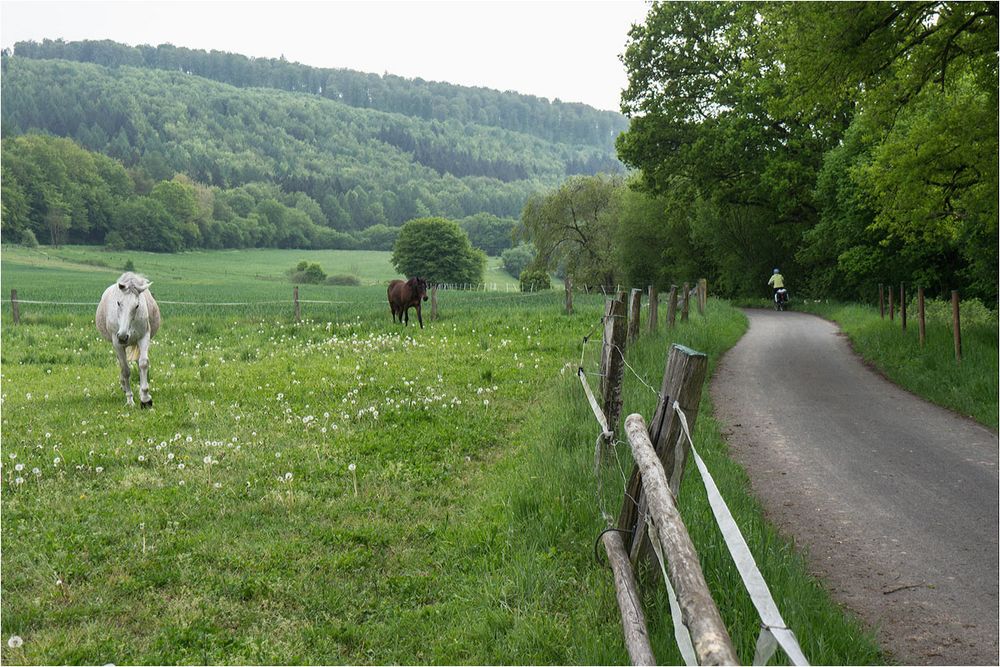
133, 282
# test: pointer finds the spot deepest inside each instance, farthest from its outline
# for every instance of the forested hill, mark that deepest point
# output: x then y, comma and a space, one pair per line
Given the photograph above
554, 121
351, 168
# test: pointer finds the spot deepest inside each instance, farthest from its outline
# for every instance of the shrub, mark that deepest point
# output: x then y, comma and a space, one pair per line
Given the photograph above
516, 259
28, 239
344, 279
533, 281
129, 265
310, 274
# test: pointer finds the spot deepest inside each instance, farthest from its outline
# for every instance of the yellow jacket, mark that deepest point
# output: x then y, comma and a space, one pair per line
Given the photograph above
776, 281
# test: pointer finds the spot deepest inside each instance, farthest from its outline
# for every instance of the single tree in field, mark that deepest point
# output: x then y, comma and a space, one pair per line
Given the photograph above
573, 227
439, 251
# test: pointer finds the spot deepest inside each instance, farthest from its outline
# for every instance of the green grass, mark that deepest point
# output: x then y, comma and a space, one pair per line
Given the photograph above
33, 271
470, 537
969, 388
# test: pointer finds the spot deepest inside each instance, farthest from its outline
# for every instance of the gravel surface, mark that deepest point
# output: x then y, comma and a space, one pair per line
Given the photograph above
894, 500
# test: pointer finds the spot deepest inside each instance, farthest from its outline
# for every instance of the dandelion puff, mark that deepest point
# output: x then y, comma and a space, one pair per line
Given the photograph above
19, 467
99, 469
141, 458
207, 460
288, 476
15, 641
36, 471
19, 480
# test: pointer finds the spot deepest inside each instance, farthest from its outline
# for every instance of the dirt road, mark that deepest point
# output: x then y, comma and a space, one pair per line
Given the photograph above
894, 499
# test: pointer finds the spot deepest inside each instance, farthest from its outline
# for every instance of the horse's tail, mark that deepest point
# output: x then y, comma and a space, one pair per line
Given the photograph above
132, 352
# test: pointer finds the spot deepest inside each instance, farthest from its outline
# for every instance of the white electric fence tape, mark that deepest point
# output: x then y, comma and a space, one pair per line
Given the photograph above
681, 633
760, 595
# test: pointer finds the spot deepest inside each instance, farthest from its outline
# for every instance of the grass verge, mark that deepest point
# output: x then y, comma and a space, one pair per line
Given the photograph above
532, 545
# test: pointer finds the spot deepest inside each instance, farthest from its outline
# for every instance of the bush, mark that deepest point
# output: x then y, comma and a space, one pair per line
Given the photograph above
129, 265
534, 281
28, 239
516, 259
345, 280
306, 273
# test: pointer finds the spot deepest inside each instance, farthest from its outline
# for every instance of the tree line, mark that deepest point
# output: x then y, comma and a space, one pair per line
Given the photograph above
849, 144
554, 121
57, 192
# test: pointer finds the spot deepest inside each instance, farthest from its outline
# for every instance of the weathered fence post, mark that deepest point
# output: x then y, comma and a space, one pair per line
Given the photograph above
654, 306
569, 295
709, 637
881, 300
683, 377
892, 307
921, 325
956, 326
684, 303
295, 297
434, 302
902, 305
640, 651
634, 309
702, 295
15, 309
672, 307
612, 361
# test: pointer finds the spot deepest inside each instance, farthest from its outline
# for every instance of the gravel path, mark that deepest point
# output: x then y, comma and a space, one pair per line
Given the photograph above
894, 500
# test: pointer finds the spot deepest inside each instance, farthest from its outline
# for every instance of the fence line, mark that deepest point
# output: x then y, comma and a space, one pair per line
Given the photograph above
653, 525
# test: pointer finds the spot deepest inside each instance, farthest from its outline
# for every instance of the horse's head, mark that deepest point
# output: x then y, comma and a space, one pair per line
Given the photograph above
130, 305
419, 287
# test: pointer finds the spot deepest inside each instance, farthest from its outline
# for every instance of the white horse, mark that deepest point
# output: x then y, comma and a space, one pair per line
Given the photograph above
129, 317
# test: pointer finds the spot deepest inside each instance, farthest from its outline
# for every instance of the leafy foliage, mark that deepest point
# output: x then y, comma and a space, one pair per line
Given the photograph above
439, 251
532, 280
850, 143
572, 227
516, 259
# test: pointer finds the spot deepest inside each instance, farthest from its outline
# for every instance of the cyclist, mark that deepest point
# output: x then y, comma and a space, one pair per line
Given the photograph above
776, 282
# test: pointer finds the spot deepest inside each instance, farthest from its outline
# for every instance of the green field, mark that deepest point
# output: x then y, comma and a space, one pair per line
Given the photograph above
226, 525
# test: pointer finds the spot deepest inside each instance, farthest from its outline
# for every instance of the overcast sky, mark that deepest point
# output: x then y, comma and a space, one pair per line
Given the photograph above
567, 49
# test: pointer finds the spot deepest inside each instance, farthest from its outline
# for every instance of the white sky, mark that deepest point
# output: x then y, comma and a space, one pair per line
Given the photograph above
567, 49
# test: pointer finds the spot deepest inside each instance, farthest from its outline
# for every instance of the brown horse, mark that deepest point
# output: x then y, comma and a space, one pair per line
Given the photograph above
404, 295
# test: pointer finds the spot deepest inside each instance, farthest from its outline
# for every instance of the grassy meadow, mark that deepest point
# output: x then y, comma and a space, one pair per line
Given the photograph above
340, 490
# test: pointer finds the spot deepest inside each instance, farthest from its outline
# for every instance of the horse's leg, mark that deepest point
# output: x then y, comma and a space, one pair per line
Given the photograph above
419, 318
125, 372
145, 400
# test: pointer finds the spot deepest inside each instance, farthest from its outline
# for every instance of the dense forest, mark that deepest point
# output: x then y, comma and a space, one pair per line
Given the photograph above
354, 174
847, 143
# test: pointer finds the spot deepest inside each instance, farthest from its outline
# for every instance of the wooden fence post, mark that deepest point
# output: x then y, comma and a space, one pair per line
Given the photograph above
654, 306
568, 283
672, 307
684, 303
634, 310
295, 296
892, 306
434, 302
640, 651
921, 325
702, 295
612, 361
956, 326
683, 377
881, 300
15, 309
902, 305
711, 641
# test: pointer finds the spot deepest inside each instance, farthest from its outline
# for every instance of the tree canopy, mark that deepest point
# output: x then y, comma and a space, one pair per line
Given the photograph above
850, 143
439, 251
